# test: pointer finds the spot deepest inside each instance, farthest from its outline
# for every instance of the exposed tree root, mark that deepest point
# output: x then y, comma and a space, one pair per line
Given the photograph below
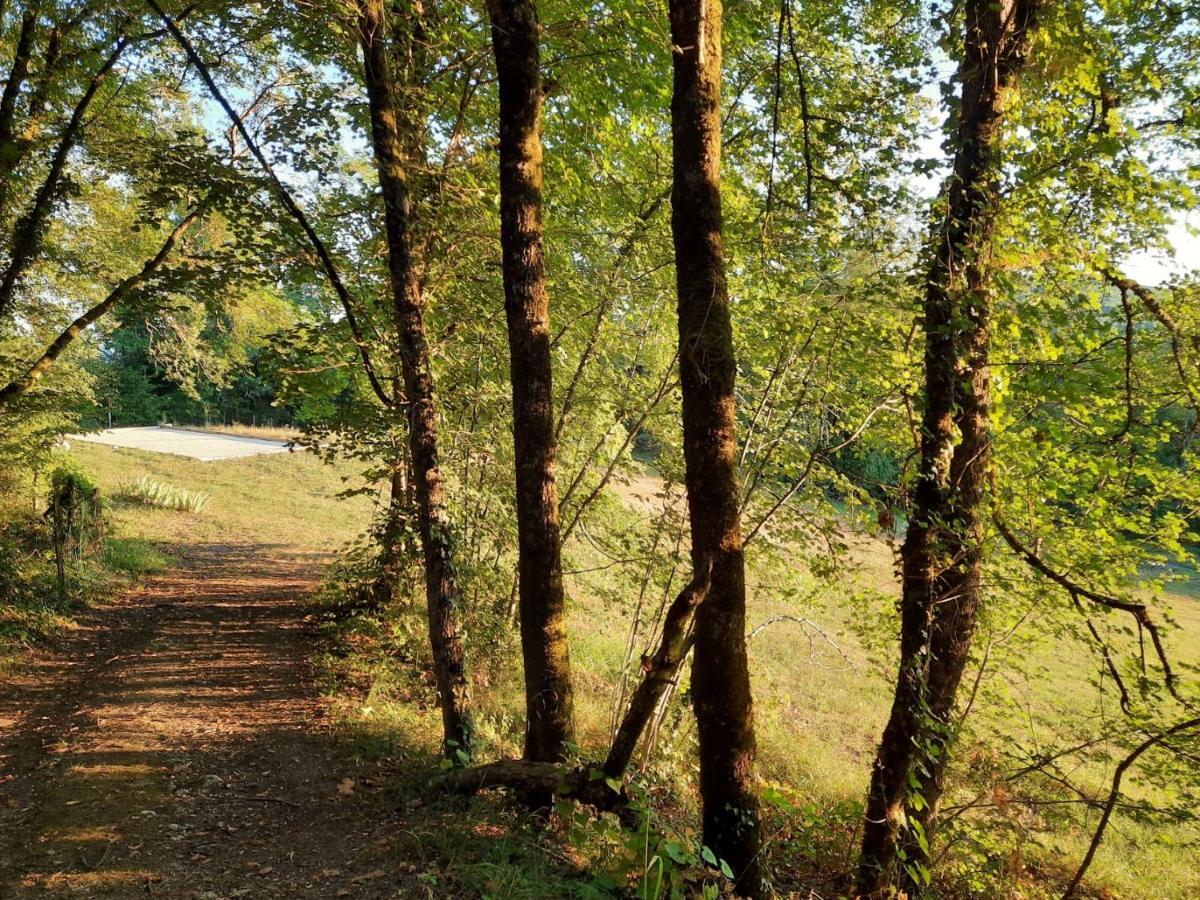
584, 783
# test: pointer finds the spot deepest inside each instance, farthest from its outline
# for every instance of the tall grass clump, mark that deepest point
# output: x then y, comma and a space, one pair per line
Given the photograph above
153, 492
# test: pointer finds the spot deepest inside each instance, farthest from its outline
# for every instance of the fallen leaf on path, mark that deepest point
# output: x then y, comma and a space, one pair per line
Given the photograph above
346, 788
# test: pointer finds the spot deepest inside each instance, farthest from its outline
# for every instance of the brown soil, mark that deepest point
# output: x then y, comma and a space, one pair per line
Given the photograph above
176, 745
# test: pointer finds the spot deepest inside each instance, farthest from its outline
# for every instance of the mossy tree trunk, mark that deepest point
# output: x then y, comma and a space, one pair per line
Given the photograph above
441, 588
942, 553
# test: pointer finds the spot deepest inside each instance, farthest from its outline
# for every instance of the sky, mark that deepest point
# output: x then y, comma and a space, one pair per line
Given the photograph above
1155, 268
1152, 268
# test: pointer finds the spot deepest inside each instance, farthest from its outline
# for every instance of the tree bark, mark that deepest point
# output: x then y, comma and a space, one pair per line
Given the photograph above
943, 550
720, 672
437, 542
659, 673
549, 702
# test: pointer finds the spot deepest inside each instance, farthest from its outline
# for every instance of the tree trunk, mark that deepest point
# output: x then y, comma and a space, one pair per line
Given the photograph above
549, 705
720, 673
392, 550
659, 673
8, 101
27, 232
942, 552
433, 523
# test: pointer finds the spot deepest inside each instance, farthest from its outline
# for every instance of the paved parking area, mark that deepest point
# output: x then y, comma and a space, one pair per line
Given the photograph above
202, 445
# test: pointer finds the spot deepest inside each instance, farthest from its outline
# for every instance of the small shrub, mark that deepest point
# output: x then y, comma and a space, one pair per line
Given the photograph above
156, 493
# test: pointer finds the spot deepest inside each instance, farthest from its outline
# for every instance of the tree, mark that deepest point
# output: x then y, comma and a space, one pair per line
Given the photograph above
707, 368
943, 550
437, 539
27, 232
111, 202
549, 705
120, 293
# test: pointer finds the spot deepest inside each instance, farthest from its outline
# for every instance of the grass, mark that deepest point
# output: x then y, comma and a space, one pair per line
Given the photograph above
164, 496
33, 607
289, 500
819, 709
262, 432
134, 557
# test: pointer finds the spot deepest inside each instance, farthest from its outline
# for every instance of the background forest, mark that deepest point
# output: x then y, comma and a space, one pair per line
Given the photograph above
753, 446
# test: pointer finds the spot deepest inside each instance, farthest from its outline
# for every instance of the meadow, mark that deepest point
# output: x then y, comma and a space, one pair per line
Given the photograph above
821, 693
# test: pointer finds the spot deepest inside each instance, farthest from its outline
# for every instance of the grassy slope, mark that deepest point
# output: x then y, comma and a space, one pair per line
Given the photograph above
819, 712
286, 500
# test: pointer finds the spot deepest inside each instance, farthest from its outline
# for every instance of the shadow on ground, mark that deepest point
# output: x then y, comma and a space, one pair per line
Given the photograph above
175, 744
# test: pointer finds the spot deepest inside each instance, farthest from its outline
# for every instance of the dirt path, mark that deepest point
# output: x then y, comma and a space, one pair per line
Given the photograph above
176, 746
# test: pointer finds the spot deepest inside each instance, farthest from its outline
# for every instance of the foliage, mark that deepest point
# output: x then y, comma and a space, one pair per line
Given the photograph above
152, 492
829, 160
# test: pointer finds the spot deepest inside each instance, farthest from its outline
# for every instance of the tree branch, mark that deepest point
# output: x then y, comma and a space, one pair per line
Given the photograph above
665, 386
659, 672
122, 290
1138, 610
1114, 795
1177, 336
285, 197
28, 229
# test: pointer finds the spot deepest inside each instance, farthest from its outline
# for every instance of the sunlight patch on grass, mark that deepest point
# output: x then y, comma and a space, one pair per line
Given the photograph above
134, 556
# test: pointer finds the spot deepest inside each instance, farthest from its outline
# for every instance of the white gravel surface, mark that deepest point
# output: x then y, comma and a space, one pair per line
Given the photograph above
202, 445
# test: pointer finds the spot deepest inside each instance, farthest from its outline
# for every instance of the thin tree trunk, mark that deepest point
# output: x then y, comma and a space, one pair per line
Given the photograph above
549, 701
720, 671
943, 550
27, 233
14, 146
437, 540
392, 549
8, 101
659, 673
45, 81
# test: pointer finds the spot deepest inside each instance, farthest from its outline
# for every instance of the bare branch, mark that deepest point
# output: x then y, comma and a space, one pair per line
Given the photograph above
1114, 795
1138, 610
665, 386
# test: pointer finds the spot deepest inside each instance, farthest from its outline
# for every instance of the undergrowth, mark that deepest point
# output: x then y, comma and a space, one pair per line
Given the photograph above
380, 686
96, 563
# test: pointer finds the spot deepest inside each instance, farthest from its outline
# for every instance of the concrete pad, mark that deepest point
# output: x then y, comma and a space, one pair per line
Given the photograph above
201, 445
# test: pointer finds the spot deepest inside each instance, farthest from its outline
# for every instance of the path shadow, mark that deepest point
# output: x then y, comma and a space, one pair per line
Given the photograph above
177, 745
